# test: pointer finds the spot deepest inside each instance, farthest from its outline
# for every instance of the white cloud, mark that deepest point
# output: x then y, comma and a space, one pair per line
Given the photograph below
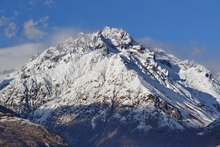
153, 43
43, 21
48, 2
15, 57
4, 20
16, 13
11, 30
32, 29
198, 51
217, 76
212, 65
1, 23
59, 34
192, 50
32, 2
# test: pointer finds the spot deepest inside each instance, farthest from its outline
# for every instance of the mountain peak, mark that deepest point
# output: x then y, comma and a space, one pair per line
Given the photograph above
107, 78
110, 69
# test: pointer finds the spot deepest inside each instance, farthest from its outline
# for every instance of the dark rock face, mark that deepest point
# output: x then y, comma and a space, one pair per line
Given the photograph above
4, 110
18, 132
5, 83
87, 127
165, 107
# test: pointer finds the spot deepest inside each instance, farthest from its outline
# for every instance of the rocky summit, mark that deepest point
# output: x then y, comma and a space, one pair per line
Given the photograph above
106, 89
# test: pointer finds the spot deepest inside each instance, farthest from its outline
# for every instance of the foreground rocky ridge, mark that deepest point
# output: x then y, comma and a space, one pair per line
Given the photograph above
18, 132
97, 87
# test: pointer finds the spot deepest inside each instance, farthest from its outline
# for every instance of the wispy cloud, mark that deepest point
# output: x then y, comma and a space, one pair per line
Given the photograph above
198, 51
49, 3
5, 20
16, 13
60, 33
1, 23
33, 29
212, 65
32, 2
16, 56
192, 50
11, 30
153, 43
188, 50
217, 77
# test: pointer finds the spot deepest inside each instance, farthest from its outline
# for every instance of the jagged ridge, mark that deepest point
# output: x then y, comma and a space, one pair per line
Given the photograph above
110, 68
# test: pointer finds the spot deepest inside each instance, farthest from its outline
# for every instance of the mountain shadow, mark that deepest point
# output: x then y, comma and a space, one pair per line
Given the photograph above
99, 125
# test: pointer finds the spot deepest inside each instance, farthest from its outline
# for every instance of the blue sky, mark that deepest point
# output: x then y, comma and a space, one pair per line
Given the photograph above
188, 29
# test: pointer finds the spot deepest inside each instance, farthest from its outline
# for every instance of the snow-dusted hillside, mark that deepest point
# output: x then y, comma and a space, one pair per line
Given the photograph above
106, 75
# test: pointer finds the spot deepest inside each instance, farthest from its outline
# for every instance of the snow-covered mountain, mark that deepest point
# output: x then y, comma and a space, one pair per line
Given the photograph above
100, 80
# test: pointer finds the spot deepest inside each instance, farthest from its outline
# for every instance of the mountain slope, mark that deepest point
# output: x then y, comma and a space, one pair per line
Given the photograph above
96, 80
